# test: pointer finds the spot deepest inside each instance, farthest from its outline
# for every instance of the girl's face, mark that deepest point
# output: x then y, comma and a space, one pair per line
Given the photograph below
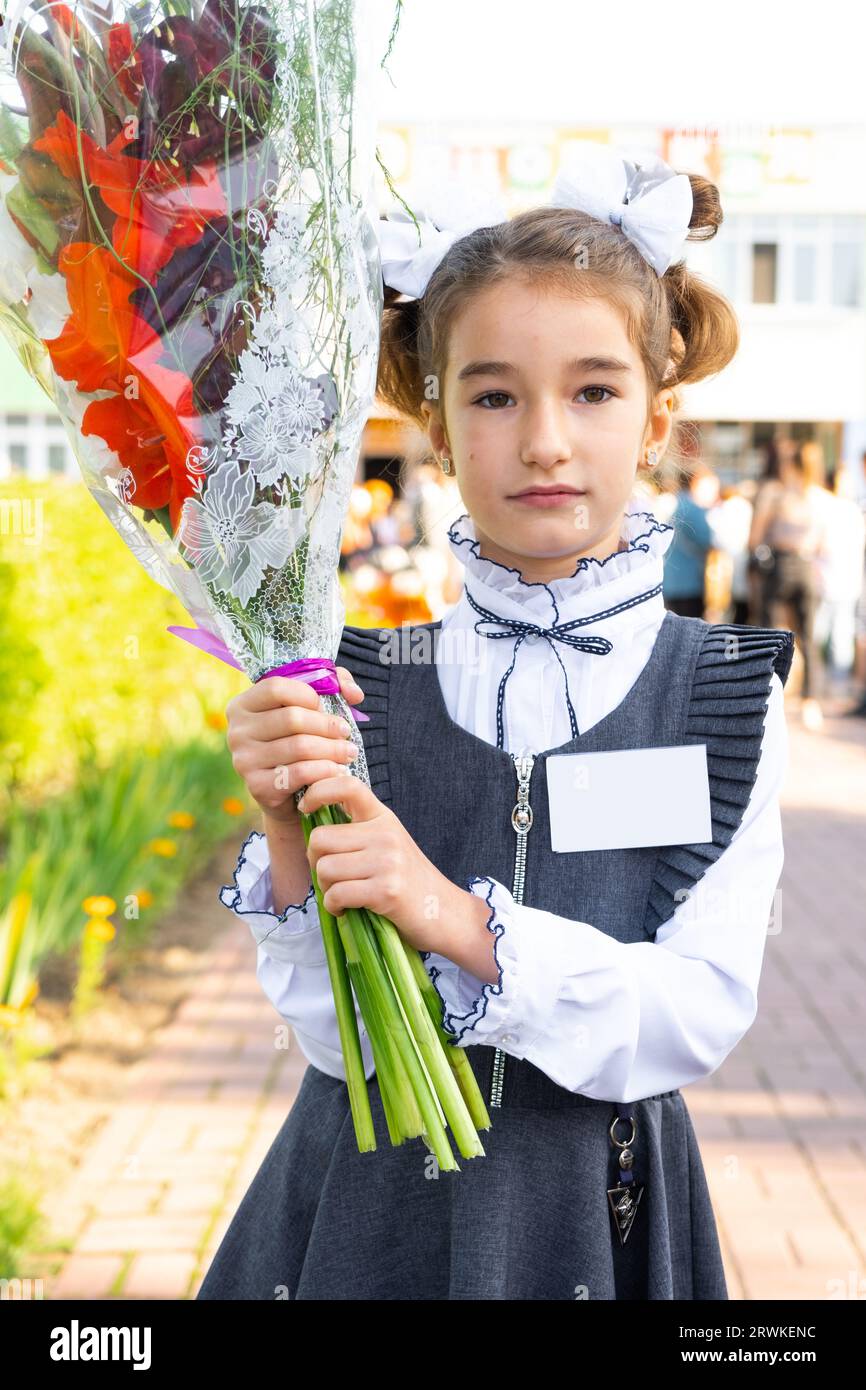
545, 391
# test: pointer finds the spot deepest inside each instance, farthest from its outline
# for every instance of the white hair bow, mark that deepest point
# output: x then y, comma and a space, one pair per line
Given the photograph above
410, 254
651, 204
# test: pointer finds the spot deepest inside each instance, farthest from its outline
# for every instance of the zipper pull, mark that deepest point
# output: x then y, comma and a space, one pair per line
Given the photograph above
521, 820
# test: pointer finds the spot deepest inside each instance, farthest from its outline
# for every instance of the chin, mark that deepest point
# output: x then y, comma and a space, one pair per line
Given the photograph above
549, 535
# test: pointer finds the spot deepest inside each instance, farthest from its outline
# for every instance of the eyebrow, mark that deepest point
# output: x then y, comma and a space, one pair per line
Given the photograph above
576, 364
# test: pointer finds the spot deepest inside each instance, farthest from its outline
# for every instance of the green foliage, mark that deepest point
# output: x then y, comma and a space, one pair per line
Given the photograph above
102, 838
21, 1223
87, 665
109, 726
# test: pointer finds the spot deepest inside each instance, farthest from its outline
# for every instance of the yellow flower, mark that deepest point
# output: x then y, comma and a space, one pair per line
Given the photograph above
215, 719
233, 806
182, 820
100, 928
99, 906
165, 848
9, 1017
144, 897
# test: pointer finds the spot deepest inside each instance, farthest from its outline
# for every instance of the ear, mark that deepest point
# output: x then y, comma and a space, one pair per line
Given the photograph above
435, 428
661, 422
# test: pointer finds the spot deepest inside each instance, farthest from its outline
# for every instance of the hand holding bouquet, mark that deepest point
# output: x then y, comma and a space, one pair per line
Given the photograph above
188, 266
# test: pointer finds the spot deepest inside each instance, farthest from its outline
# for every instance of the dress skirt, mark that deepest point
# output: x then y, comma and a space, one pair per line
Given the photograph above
529, 1220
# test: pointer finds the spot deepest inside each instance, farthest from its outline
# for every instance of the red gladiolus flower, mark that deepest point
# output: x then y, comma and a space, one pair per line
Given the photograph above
66, 19
124, 61
150, 421
157, 208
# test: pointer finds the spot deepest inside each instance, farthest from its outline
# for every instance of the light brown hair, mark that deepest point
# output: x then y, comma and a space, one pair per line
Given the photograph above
677, 319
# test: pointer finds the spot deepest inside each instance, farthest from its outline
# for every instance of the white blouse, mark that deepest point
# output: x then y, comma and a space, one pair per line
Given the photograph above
613, 1020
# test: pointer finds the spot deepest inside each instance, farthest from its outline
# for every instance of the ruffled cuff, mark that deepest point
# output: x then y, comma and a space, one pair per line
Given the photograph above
479, 1010
293, 934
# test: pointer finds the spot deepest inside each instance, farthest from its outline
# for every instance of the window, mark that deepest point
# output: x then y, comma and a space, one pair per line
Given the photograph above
846, 267
726, 268
805, 274
18, 457
764, 256
57, 458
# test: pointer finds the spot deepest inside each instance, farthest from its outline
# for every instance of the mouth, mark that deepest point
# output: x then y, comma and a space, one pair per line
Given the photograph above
548, 496
549, 491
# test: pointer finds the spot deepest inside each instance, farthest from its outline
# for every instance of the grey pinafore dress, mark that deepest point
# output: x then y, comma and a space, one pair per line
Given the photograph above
531, 1219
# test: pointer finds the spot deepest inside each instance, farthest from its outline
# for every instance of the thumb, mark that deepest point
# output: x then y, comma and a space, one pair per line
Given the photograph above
349, 687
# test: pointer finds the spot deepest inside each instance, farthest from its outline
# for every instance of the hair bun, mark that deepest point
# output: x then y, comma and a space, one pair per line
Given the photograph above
707, 215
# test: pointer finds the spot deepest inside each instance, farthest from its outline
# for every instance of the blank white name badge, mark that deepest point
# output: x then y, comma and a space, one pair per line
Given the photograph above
629, 797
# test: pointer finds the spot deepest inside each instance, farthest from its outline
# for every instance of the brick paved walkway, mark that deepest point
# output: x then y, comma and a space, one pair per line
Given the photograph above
782, 1124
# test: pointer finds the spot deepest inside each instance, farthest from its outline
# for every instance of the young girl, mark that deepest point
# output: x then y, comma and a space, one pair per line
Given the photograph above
574, 808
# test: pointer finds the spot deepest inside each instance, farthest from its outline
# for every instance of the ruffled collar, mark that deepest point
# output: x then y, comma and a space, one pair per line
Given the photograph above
594, 585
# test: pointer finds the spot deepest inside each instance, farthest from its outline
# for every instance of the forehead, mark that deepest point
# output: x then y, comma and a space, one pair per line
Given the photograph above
516, 320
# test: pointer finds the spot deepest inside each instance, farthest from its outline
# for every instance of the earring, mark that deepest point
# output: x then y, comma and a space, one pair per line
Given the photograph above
652, 457
446, 465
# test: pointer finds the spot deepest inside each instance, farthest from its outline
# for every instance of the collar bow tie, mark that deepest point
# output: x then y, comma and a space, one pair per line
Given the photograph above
558, 632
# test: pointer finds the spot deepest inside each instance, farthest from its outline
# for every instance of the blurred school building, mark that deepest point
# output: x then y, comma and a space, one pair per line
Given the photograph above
791, 256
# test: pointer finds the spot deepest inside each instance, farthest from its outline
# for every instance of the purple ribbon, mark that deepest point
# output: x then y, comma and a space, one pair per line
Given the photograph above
326, 682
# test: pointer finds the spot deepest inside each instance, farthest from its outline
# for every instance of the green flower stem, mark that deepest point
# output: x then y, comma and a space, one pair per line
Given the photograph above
460, 1063
391, 1118
428, 1040
447, 1068
356, 1080
398, 1099
387, 1002
360, 949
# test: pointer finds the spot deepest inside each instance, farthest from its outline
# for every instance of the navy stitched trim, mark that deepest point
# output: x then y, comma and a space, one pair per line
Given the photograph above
729, 715
487, 988
582, 564
257, 912
360, 651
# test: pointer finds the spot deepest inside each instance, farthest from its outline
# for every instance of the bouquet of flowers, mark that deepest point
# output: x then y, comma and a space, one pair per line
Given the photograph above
189, 267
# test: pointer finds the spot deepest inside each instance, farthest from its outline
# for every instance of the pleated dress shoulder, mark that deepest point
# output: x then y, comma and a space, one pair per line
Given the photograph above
532, 1218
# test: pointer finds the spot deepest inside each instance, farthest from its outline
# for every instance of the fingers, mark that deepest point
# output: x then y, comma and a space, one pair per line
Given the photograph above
332, 869
357, 799
271, 787
281, 738
276, 691
349, 687
341, 857
349, 893
302, 748
336, 841
285, 722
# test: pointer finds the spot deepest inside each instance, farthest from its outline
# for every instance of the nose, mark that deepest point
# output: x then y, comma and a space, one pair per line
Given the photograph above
545, 441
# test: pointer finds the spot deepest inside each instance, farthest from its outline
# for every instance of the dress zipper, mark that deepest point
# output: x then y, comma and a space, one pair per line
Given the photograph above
521, 819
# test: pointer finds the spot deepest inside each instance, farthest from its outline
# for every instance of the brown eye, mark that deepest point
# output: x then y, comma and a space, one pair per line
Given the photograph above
596, 388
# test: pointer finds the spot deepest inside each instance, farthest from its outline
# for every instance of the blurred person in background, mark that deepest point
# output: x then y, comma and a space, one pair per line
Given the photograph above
435, 504
357, 539
859, 709
384, 516
730, 522
788, 533
840, 569
684, 578
760, 559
